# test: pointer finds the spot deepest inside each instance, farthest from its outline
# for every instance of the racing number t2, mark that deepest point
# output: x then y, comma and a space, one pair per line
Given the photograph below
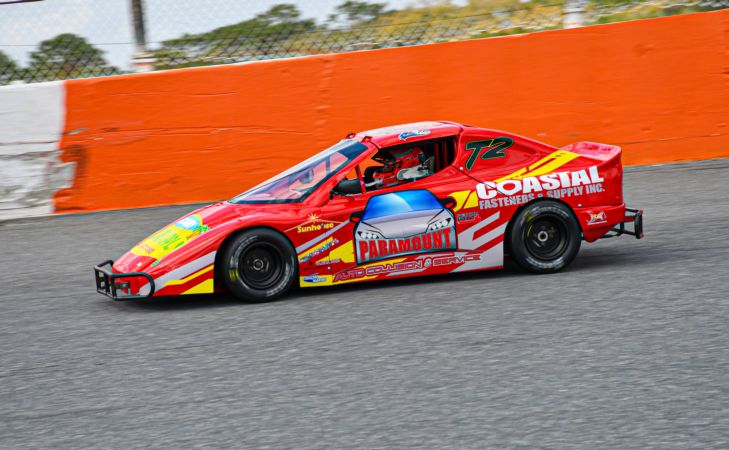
488, 149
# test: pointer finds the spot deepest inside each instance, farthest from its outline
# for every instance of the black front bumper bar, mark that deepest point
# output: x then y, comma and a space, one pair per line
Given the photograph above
106, 285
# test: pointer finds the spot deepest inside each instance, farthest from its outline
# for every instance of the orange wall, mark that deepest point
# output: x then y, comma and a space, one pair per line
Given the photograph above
659, 88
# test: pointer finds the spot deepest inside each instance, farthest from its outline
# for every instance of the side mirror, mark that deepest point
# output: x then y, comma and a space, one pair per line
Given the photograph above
356, 217
346, 187
448, 202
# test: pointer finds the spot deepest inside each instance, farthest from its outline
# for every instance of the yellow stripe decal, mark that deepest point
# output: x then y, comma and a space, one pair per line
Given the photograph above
190, 277
472, 201
206, 287
460, 198
545, 165
344, 252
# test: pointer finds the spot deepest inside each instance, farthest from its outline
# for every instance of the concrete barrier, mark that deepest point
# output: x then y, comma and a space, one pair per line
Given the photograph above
659, 88
31, 123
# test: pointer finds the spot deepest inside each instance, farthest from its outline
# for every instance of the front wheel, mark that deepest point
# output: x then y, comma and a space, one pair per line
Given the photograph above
545, 237
259, 265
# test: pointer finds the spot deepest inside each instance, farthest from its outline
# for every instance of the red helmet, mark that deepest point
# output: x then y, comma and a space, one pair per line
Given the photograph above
409, 158
395, 161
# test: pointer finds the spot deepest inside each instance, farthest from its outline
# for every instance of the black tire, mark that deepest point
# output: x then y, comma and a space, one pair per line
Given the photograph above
545, 237
259, 265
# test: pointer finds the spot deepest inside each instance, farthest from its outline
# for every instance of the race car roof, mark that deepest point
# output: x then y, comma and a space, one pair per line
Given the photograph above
410, 132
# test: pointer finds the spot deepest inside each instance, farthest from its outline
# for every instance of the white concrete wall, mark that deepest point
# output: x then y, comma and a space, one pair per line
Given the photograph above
31, 122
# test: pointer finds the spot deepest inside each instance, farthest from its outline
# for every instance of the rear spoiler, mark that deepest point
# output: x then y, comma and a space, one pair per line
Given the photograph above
594, 150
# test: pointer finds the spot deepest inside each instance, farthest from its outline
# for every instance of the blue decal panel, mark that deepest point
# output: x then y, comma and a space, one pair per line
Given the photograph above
403, 223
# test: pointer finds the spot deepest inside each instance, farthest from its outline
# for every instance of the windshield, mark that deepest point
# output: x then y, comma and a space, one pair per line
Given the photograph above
301, 180
399, 203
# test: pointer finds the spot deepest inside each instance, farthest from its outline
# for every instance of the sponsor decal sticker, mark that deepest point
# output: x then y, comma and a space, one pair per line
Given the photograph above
172, 237
496, 194
314, 278
376, 249
451, 259
326, 262
320, 249
468, 217
597, 218
393, 267
403, 223
408, 134
314, 223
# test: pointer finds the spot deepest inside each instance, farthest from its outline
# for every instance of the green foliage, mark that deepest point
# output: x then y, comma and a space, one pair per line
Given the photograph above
607, 11
262, 35
67, 56
281, 31
8, 69
354, 12
362, 24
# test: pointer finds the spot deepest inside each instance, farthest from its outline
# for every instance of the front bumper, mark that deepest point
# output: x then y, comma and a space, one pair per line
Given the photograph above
107, 282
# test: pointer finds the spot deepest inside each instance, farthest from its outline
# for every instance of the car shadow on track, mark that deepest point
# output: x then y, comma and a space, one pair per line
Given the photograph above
593, 260
623, 258
312, 293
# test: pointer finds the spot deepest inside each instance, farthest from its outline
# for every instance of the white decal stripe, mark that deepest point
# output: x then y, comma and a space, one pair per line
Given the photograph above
320, 238
180, 273
493, 257
466, 239
491, 235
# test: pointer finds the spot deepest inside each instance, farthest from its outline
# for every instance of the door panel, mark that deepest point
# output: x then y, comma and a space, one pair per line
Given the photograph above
401, 231
331, 248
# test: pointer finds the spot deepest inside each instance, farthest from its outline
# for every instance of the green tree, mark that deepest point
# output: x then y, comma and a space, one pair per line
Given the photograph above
268, 34
67, 56
9, 71
354, 12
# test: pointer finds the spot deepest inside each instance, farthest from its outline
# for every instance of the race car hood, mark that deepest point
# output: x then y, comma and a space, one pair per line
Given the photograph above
404, 225
195, 234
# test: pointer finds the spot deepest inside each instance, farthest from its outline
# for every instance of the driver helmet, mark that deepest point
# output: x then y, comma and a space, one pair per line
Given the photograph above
398, 160
409, 158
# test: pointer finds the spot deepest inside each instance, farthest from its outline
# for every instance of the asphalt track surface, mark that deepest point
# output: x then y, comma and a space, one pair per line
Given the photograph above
628, 348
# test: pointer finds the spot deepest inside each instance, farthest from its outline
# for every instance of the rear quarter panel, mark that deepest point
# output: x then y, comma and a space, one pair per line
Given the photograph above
510, 171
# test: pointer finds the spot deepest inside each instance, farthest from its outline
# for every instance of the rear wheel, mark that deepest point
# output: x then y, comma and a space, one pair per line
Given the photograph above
545, 237
259, 265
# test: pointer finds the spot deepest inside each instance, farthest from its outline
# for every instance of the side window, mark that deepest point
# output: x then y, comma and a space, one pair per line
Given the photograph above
402, 164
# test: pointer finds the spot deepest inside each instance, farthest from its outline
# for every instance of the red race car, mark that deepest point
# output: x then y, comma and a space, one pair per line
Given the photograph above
418, 199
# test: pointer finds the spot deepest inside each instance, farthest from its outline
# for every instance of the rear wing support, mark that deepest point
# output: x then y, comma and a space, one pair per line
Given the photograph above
632, 216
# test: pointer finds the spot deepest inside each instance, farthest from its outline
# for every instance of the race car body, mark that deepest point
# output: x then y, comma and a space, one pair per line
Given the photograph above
410, 200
